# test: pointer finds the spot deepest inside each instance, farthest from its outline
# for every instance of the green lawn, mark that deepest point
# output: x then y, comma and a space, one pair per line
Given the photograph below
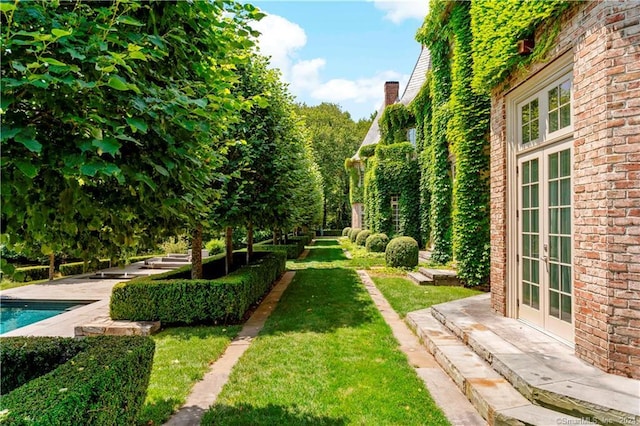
406, 296
182, 357
325, 357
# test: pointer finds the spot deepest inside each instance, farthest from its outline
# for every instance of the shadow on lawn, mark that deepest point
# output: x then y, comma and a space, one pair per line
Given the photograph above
245, 414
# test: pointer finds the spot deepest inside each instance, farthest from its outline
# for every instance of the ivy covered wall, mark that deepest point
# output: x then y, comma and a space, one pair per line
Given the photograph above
393, 170
394, 123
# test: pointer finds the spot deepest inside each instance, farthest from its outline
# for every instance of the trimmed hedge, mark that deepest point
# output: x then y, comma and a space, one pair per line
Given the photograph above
346, 231
377, 243
353, 234
187, 301
104, 384
30, 273
24, 358
329, 233
77, 268
402, 252
293, 249
361, 239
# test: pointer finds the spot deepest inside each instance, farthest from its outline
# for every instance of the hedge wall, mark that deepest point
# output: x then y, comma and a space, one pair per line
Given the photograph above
469, 135
186, 301
393, 171
356, 191
30, 273
105, 383
77, 268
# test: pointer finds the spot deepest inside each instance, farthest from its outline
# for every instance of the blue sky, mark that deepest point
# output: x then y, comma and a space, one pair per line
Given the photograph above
342, 51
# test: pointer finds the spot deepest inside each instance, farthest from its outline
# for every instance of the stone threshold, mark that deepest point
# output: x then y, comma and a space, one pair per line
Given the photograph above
105, 326
515, 374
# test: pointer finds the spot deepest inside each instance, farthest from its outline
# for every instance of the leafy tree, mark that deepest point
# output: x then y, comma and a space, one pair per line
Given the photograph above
334, 137
112, 117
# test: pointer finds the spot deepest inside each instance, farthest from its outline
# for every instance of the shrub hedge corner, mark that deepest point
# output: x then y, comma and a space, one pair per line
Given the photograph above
105, 383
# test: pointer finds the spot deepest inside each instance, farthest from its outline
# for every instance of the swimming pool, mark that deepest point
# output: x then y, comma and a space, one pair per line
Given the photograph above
16, 313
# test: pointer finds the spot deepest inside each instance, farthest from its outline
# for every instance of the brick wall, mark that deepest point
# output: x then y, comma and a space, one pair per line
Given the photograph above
604, 38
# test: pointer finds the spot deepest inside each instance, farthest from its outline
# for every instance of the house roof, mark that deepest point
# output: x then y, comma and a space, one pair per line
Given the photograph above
417, 79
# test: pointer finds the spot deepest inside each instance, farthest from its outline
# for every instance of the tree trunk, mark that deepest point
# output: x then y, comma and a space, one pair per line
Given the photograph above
249, 242
196, 253
324, 213
228, 239
275, 236
52, 265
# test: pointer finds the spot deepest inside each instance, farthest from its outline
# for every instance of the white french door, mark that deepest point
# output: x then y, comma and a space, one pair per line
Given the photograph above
544, 253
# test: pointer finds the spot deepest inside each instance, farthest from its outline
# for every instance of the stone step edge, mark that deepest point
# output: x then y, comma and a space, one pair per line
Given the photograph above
485, 393
535, 394
419, 278
105, 326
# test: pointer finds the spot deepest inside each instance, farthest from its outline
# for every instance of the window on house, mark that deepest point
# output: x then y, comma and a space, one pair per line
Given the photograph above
546, 114
411, 136
395, 213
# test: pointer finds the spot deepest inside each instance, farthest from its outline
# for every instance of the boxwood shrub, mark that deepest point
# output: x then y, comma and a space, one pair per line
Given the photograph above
402, 252
353, 234
377, 243
293, 249
185, 301
361, 239
105, 383
30, 273
77, 268
346, 231
24, 358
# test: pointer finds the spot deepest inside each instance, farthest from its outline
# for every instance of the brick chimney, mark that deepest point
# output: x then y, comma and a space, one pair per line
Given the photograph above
391, 91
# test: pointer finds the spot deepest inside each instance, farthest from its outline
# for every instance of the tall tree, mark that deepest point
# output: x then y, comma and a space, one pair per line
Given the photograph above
112, 117
334, 137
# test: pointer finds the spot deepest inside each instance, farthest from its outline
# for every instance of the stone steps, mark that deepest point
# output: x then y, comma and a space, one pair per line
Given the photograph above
429, 276
489, 355
492, 395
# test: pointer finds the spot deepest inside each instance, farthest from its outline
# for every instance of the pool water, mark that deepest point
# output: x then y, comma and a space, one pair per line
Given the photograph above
19, 313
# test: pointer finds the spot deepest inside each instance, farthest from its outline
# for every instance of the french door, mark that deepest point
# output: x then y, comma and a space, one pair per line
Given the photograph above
545, 258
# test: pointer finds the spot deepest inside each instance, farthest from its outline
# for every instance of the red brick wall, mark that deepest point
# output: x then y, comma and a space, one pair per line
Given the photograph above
605, 41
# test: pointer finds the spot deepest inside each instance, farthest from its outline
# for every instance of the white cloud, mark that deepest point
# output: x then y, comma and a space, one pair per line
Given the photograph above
282, 39
400, 10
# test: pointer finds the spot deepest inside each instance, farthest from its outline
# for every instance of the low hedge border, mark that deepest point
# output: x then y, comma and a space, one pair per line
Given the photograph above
77, 268
104, 384
293, 249
30, 273
185, 301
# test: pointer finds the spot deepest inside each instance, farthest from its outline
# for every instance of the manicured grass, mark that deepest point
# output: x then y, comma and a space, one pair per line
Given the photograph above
325, 357
405, 296
182, 357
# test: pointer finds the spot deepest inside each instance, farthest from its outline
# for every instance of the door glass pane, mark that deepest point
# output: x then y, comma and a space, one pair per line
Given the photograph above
565, 220
526, 294
566, 308
553, 166
554, 249
565, 192
554, 277
554, 304
565, 249
525, 221
553, 99
553, 193
566, 278
535, 297
534, 194
530, 233
534, 221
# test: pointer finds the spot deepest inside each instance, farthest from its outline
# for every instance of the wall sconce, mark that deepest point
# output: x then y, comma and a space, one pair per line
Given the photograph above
525, 46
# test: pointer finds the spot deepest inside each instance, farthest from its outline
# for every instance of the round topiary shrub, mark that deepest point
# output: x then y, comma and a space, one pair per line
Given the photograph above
402, 252
361, 239
353, 234
377, 243
345, 231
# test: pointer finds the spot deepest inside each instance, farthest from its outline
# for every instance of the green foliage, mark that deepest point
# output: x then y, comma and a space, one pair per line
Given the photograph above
30, 273
394, 123
402, 252
104, 384
497, 25
186, 301
334, 136
439, 167
25, 358
113, 117
353, 234
76, 268
377, 243
469, 131
393, 171
293, 248
361, 239
355, 169
215, 246
176, 244
346, 231
367, 151
421, 107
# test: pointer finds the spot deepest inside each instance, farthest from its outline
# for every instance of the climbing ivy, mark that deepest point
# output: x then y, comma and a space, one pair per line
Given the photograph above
356, 190
468, 133
393, 171
497, 25
394, 123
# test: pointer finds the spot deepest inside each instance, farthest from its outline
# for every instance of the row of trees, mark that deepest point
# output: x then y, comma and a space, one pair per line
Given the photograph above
124, 123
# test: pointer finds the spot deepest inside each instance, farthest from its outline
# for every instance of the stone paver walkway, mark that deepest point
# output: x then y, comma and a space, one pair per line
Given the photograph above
443, 390
206, 391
